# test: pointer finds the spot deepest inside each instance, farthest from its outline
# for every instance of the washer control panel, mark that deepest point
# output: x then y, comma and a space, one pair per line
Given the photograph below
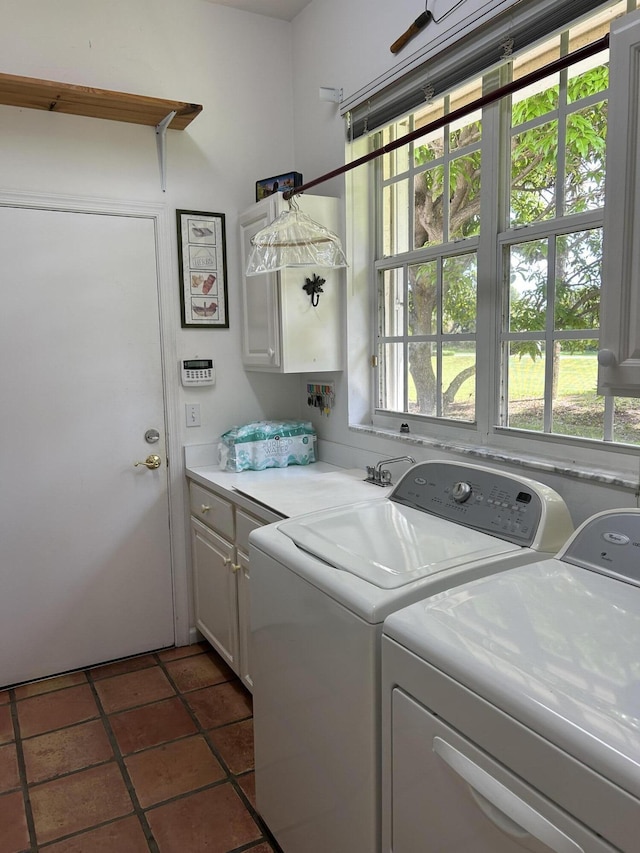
480, 498
608, 543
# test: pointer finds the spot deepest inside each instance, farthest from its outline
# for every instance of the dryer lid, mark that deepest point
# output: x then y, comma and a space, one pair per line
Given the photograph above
388, 544
553, 645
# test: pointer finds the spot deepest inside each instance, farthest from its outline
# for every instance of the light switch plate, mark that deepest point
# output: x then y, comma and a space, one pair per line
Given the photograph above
192, 414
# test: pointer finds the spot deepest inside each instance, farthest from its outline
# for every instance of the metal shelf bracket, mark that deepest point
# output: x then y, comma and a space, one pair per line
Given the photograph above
161, 143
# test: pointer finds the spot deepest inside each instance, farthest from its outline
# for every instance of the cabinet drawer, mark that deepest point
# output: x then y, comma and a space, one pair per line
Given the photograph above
244, 525
212, 510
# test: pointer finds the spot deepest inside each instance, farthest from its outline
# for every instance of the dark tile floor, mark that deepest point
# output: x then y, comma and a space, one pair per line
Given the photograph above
153, 754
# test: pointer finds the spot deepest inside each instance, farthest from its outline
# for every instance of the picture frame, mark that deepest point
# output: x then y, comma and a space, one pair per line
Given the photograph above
202, 262
278, 183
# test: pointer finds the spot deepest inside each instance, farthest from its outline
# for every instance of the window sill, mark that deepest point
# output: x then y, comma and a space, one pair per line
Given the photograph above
529, 461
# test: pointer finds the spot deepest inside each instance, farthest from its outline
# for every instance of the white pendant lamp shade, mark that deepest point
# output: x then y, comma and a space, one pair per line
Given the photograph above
293, 239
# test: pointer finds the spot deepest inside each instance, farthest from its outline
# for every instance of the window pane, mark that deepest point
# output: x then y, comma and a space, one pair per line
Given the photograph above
464, 195
428, 207
626, 423
423, 378
535, 101
391, 377
429, 148
577, 409
585, 158
528, 286
583, 82
537, 57
391, 304
578, 278
395, 236
533, 174
459, 381
423, 298
465, 132
459, 294
525, 378
395, 162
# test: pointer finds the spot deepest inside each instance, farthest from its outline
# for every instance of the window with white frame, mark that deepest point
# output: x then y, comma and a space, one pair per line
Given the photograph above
490, 250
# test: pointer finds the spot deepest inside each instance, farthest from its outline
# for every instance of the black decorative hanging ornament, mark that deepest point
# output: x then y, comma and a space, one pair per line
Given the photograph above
313, 288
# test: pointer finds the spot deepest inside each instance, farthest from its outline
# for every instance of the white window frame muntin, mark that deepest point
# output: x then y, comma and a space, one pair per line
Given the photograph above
489, 432
534, 231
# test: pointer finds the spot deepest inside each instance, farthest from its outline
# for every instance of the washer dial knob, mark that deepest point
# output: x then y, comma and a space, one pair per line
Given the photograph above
461, 492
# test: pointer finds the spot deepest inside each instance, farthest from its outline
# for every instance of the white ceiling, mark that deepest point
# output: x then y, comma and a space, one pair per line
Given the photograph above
286, 10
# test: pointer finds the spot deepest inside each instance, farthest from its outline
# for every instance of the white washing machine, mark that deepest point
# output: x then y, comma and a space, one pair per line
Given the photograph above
511, 706
321, 586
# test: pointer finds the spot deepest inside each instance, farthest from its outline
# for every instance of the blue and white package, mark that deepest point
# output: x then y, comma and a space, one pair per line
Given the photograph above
268, 444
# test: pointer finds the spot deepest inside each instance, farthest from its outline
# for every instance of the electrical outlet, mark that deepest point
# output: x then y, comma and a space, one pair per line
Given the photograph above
192, 411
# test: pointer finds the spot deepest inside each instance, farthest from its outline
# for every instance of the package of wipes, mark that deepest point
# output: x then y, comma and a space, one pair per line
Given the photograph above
267, 444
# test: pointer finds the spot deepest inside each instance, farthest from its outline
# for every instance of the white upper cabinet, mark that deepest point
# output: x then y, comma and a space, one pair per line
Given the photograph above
619, 355
282, 332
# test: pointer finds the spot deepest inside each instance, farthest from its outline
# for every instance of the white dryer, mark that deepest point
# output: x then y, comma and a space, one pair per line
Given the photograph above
321, 586
511, 706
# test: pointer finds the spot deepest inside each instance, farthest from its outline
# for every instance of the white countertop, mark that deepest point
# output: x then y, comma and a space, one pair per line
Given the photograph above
294, 490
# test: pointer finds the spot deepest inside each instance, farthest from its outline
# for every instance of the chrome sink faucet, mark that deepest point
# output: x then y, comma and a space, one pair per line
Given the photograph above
380, 476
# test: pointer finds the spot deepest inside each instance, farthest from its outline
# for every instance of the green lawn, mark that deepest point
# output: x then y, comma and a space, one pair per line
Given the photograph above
578, 410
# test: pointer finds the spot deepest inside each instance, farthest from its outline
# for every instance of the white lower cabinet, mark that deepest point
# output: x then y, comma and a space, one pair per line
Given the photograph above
220, 563
215, 591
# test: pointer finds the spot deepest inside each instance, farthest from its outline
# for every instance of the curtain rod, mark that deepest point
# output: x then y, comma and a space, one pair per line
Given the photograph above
501, 92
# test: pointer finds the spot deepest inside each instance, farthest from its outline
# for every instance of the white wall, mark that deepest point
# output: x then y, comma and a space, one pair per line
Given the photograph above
237, 65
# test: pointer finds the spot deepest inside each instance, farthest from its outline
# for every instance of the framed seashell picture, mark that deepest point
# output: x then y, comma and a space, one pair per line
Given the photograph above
202, 260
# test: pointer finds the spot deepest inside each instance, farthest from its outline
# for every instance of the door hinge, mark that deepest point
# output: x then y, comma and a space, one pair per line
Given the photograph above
374, 361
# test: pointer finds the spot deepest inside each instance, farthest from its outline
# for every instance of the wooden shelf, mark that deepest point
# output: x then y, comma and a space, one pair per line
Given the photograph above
97, 103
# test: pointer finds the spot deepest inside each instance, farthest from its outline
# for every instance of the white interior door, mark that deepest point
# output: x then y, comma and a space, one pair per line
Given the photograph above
85, 560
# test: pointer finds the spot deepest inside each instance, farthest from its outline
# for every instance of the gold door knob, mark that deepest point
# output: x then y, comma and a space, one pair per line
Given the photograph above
152, 462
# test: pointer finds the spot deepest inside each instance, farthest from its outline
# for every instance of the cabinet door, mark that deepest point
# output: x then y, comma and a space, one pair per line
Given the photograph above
244, 623
215, 591
260, 307
619, 356
245, 523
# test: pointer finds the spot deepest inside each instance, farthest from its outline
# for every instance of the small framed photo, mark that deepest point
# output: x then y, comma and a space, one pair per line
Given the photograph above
277, 184
202, 260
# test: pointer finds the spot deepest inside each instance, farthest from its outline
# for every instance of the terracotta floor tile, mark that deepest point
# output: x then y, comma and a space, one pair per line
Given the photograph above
176, 768
66, 750
248, 785
51, 711
261, 848
122, 836
4, 697
199, 671
183, 651
6, 724
133, 688
118, 667
47, 685
151, 725
79, 801
221, 704
235, 745
212, 821
15, 835
9, 775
